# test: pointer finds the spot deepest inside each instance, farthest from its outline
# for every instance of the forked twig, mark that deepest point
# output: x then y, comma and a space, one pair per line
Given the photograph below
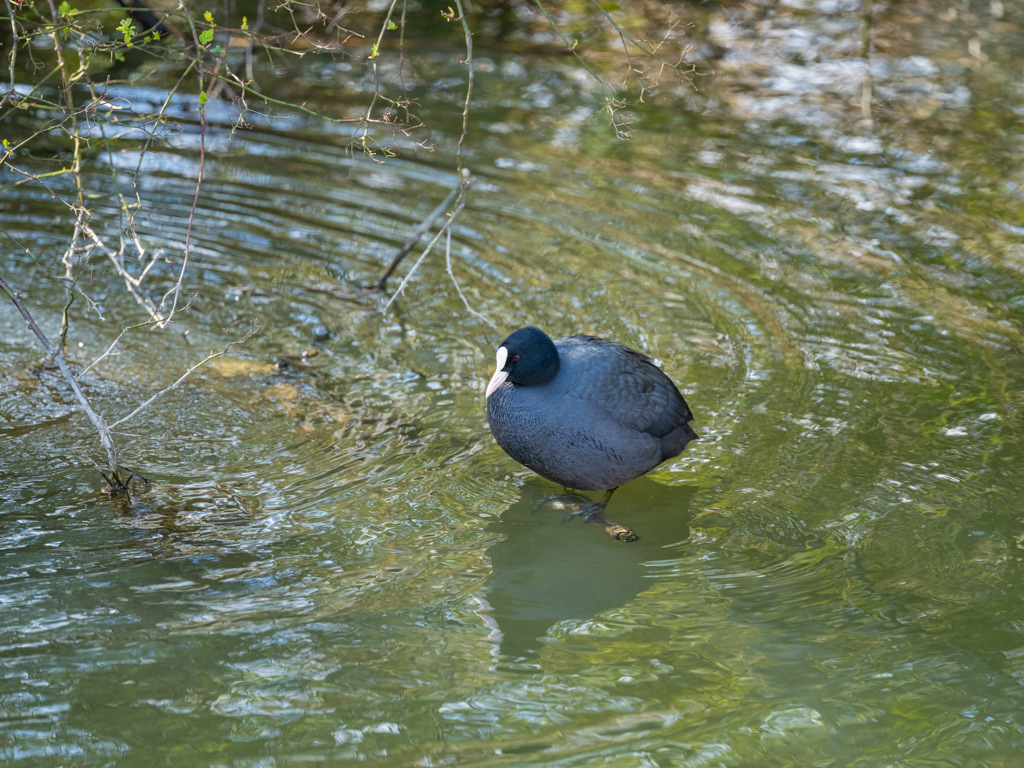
459, 205
417, 233
184, 376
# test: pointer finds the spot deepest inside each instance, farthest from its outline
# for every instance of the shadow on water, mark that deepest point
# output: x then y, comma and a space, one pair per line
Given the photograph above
548, 569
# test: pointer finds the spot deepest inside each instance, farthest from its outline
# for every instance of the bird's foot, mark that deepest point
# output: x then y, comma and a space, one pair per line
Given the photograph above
615, 530
588, 511
575, 505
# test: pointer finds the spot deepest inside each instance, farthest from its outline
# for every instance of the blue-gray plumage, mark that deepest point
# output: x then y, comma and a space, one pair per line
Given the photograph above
586, 413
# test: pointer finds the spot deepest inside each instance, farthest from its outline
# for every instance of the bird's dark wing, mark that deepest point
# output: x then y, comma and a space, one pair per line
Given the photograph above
625, 384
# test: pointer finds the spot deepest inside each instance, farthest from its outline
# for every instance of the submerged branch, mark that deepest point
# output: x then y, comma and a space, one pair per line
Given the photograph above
459, 205
417, 233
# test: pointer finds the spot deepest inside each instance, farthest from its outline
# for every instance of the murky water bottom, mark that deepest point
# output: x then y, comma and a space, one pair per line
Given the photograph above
334, 562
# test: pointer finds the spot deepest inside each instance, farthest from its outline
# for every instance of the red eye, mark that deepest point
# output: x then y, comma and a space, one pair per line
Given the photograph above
515, 358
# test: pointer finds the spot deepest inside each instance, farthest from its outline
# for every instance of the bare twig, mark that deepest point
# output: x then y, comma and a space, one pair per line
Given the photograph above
458, 288
375, 52
459, 205
113, 344
106, 440
13, 53
456, 198
183, 376
613, 103
468, 36
417, 233
175, 291
132, 283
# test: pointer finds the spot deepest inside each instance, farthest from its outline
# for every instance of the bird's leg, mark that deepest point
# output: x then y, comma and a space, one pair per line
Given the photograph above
595, 507
594, 513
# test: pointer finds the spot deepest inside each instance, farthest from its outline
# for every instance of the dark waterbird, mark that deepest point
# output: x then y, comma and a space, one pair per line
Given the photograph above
585, 413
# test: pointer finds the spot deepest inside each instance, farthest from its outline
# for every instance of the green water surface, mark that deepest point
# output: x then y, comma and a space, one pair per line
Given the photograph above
334, 564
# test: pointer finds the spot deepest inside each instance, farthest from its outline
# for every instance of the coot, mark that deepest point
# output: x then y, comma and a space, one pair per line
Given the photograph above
586, 413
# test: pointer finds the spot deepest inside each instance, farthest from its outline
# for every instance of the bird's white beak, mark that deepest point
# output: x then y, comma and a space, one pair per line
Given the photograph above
499, 375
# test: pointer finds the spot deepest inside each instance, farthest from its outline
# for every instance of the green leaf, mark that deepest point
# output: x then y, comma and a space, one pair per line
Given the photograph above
203, 98
245, 24
127, 29
64, 9
392, 25
209, 17
206, 36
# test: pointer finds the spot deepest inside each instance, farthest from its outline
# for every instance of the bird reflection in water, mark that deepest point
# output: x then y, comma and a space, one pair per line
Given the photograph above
547, 569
